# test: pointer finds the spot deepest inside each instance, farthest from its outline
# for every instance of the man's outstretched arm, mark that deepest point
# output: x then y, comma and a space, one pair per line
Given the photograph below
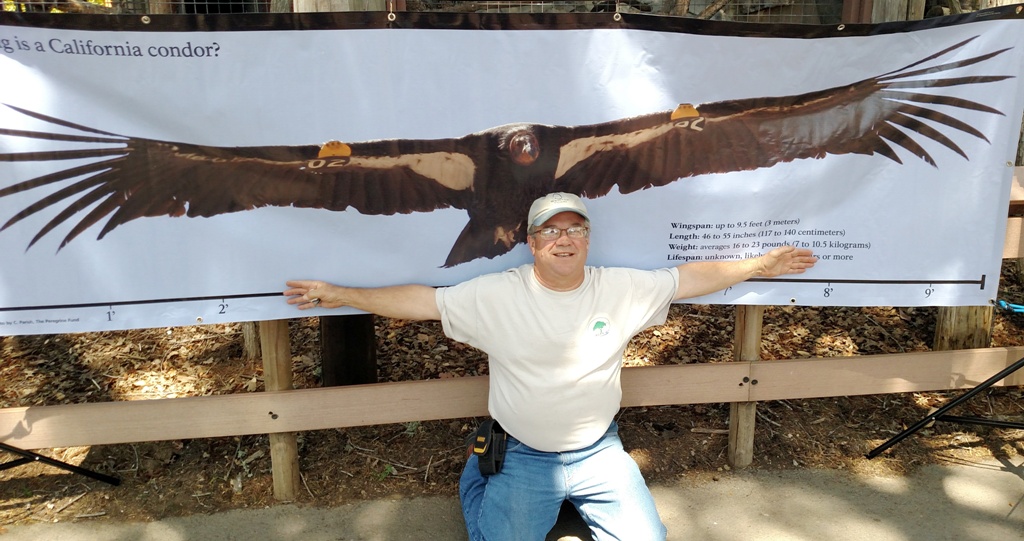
402, 302
703, 277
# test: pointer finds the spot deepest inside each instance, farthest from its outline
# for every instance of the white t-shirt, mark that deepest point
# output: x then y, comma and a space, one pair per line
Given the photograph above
555, 357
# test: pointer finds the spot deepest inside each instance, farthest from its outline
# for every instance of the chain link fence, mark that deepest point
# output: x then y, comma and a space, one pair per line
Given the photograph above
775, 11
754, 11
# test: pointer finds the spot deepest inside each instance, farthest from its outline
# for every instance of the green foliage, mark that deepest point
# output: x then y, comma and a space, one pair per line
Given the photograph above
411, 428
49, 6
388, 471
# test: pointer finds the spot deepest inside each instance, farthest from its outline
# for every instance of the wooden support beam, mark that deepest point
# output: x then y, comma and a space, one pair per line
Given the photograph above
883, 11
881, 374
963, 327
1013, 245
743, 415
915, 10
348, 344
277, 376
250, 340
967, 327
348, 350
684, 384
98, 423
1017, 203
339, 5
158, 7
857, 11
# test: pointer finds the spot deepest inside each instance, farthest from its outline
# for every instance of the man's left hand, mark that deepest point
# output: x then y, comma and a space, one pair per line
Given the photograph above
786, 260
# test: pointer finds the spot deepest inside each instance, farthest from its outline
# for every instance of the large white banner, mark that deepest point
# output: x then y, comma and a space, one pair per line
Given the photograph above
166, 171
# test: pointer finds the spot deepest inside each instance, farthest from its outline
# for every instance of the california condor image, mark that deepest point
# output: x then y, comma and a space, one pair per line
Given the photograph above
495, 174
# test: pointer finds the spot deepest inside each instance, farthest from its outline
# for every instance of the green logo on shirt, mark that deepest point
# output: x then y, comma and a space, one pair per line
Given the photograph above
600, 326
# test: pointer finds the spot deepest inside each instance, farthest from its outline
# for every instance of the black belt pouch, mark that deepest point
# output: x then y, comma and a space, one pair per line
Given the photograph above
489, 447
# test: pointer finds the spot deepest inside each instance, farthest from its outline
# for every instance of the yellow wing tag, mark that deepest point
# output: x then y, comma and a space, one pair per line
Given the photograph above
684, 110
332, 149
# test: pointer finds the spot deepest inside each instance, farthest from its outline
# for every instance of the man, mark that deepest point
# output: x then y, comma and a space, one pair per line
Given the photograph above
555, 332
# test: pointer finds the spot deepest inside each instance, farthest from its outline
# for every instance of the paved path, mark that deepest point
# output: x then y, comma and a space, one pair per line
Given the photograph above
957, 502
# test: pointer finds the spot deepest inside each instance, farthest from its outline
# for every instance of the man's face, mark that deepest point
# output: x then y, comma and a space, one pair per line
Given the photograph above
563, 256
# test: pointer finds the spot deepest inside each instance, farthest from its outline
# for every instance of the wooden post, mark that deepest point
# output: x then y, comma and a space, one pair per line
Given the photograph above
157, 7
915, 10
963, 327
339, 5
968, 327
958, 327
889, 10
1020, 147
857, 11
1020, 178
250, 340
348, 352
277, 376
276, 347
681, 8
348, 346
743, 415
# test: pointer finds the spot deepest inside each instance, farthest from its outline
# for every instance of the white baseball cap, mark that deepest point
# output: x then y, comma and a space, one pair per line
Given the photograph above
545, 207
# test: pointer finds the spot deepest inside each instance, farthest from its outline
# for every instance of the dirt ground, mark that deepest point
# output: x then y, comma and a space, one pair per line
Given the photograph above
174, 478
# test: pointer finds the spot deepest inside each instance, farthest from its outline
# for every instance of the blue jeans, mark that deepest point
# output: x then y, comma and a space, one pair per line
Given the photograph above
523, 500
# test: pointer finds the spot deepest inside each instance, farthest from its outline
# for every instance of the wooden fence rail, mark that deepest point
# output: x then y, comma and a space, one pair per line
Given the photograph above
297, 410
